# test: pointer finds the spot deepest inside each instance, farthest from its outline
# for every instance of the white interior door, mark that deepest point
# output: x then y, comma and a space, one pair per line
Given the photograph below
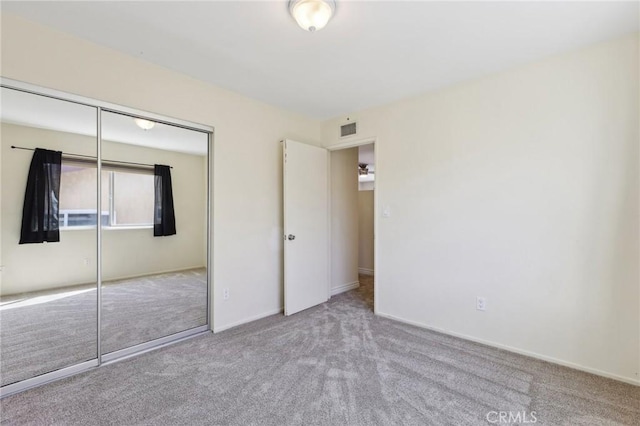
306, 227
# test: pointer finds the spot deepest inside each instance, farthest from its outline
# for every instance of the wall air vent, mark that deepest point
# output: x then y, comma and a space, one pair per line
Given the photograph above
348, 129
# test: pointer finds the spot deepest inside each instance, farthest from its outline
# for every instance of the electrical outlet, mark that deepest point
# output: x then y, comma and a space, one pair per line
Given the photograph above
225, 293
85, 261
481, 303
386, 211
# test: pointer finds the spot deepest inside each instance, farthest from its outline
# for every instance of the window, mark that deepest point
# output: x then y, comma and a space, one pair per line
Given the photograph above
131, 196
127, 196
81, 217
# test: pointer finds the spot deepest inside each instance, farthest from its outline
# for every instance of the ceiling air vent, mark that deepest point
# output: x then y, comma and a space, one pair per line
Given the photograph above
348, 130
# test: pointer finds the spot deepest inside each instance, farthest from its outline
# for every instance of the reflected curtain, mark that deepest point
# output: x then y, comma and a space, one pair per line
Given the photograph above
164, 219
40, 221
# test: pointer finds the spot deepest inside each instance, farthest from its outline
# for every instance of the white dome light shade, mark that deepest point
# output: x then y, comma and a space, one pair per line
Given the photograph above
312, 15
144, 124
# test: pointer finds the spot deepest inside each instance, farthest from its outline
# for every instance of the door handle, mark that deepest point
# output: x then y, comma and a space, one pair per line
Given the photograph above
291, 237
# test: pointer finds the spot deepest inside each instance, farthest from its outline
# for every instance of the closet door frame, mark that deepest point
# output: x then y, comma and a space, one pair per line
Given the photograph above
109, 358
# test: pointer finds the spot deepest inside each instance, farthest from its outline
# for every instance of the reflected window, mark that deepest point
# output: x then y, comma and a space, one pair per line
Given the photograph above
75, 218
132, 196
127, 197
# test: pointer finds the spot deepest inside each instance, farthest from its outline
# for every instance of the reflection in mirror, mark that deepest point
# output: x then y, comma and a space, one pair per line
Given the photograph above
154, 277
48, 297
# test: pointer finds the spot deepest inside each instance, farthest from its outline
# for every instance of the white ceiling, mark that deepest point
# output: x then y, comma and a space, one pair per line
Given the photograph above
371, 53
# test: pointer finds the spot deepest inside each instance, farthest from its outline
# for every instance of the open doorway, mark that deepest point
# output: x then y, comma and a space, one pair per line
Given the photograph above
366, 249
352, 201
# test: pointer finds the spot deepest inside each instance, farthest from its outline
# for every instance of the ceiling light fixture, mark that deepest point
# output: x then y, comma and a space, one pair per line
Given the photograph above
144, 124
312, 15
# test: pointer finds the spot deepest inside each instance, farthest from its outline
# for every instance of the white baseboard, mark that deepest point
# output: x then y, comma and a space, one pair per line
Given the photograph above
365, 271
247, 320
516, 350
344, 287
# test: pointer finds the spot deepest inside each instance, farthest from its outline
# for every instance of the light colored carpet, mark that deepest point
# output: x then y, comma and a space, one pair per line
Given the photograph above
56, 329
334, 364
147, 308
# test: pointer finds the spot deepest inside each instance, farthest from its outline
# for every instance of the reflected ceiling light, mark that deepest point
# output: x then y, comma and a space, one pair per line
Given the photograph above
144, 124
312, 15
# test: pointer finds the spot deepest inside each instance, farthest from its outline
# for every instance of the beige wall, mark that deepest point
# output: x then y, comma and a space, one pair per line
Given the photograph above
126, 252
365, 232
367, 186
247, 213
344, 219
521, 187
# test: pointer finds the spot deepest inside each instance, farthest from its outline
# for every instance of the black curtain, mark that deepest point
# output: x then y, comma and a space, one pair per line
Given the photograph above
164, 219
40, 209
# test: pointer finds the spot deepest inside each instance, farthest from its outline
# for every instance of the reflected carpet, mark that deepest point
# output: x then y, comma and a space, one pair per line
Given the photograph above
44, 331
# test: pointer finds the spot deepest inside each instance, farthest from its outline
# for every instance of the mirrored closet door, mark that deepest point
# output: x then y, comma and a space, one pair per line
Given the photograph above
105, 230
48, 256
154, 243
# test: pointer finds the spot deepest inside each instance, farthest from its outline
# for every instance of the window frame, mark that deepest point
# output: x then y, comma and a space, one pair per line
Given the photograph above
111, 168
